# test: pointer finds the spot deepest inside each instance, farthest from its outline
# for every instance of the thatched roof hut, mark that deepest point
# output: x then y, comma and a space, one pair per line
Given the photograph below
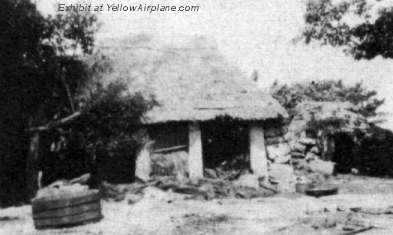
192, 85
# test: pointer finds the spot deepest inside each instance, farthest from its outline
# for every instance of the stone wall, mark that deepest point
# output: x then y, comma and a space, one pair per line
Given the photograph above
295, 160
307, 163
279, 159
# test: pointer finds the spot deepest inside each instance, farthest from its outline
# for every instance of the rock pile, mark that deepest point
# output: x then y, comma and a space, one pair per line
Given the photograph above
294, 161
279, 155
306, 159
305, 148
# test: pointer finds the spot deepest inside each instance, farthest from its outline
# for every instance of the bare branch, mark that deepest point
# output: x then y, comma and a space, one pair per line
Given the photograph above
55, 123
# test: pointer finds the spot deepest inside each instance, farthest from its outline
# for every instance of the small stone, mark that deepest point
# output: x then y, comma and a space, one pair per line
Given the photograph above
284, 175
297, 155
156, 194
278, 150
247, 180
283, 159
208, 190
299, 147
320, 166
308, 141
315, 150
133, 198
311, 156
210, 173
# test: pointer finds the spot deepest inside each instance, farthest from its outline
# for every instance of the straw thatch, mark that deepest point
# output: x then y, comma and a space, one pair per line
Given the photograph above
190, 83
333, 117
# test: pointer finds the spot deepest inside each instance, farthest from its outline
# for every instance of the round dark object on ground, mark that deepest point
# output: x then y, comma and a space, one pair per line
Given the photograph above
322, 191
67, 210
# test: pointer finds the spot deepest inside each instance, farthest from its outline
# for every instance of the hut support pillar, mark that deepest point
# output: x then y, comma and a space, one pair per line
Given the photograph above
195, 159
143, 162
258, 156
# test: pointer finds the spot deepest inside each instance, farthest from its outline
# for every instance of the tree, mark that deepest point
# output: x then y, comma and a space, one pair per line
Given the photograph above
327, 22
364, 30
109, 125
41, 74
330, 90
52, 78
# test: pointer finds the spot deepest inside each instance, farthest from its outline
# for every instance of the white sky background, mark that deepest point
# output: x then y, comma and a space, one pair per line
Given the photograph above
253, 34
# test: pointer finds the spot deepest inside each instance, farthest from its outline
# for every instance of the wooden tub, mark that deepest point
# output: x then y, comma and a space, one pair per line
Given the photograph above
67, 210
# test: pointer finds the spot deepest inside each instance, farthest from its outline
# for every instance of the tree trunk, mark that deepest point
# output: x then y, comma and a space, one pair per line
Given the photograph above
31, 165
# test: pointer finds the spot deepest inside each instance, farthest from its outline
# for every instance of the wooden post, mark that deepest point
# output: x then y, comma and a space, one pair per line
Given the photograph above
195, 160
31, 165
258, 156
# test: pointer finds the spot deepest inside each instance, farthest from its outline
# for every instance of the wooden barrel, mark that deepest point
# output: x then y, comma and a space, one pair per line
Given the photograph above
67, 210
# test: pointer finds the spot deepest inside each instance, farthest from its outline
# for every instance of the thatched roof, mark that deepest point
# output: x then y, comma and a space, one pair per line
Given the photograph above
190, 83
332, 117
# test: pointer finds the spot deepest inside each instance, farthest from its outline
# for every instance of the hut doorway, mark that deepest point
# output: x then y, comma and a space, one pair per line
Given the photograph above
343, 154
225, 145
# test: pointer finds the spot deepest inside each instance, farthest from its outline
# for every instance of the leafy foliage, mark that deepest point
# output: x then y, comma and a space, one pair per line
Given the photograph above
331, 90
40, 61
108, 126
326, 22
111, 118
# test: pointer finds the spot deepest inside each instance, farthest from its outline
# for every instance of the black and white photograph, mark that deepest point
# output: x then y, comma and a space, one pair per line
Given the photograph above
216, 117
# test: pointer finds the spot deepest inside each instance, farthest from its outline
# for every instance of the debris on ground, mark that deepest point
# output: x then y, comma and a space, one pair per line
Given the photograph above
224, 174
218, 188
373, 211
243, 186
118, 192
335, 222
204, 224
8, 218
352, 212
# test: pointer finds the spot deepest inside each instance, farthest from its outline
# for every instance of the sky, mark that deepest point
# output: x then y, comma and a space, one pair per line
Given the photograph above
253, 35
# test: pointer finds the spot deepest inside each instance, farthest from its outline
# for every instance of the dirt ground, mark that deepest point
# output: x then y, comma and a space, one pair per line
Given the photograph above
364, 204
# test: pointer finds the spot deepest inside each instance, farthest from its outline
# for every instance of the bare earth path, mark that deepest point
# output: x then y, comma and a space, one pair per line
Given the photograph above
167, 213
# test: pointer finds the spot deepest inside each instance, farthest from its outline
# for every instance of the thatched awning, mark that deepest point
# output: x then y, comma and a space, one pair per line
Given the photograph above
191, 83
330, 117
